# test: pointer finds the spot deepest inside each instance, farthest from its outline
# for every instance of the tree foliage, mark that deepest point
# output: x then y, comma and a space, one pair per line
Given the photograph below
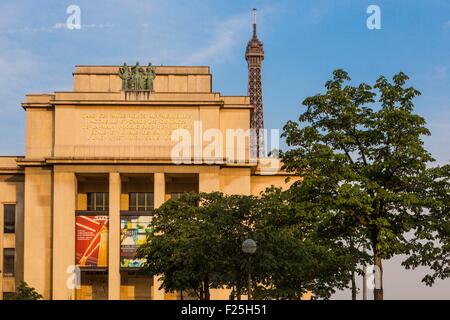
196, 244
303, 260
430, 246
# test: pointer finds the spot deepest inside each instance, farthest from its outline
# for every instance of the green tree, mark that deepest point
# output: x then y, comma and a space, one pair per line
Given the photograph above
332, 226
302, 257
197, 240
24, 292
360, 154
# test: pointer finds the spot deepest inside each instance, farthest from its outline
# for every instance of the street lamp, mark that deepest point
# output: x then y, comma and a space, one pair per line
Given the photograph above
249, 247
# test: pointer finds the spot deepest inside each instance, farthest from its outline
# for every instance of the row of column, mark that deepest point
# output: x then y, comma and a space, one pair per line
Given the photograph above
64, 206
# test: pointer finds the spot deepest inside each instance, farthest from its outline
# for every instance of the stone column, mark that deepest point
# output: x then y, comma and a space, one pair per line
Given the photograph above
37, 229
64, 195
159, 194
114, 237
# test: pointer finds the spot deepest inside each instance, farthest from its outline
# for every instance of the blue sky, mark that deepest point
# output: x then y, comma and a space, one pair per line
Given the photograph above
304, 41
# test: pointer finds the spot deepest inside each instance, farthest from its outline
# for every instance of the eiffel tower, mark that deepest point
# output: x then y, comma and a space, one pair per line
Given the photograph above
254, 55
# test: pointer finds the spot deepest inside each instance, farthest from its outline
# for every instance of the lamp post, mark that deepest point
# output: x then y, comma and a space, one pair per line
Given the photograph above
249, 247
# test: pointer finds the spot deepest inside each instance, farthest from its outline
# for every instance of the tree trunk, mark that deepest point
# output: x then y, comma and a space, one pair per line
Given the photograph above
353, 273
201, 293
378, 291
353, 285
238, 290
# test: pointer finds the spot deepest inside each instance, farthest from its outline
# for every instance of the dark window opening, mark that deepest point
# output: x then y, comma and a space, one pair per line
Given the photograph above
8, 262
141, 201
9, 211
98, 201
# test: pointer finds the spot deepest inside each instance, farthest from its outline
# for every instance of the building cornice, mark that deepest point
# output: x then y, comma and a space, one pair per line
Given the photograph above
139, 103
130, 161
11, 171
219, 104
31, 163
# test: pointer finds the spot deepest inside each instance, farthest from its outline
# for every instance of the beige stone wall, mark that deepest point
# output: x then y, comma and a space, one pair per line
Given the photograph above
39, 133
146, 132
259, 183
168, 79
235, 181
236, 121
119, 132
98, 120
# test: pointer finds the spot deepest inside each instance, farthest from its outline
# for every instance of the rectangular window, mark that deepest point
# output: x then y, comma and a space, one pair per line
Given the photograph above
90, 200
98, 201
8, 262
150, 200
132, 201
9, 218
140, 201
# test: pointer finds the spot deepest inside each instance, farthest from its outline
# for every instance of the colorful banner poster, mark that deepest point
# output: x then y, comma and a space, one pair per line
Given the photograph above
134, 231
92, 241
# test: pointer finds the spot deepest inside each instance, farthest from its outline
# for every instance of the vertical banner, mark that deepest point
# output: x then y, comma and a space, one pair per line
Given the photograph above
134, 231
92, 241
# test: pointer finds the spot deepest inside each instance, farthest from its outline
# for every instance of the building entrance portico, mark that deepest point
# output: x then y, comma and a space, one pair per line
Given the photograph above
109, 217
